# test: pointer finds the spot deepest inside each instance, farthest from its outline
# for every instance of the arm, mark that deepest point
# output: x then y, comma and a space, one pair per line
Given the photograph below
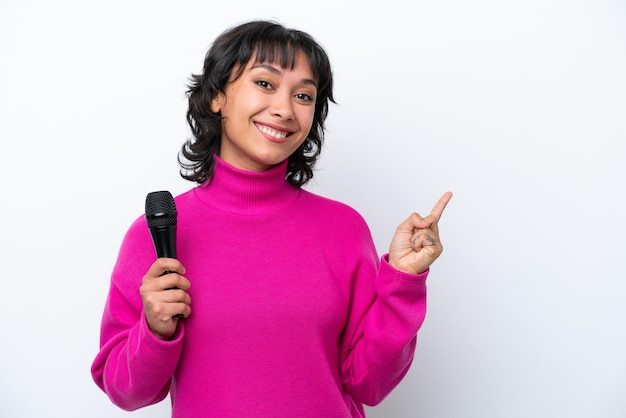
380, 338
389, 309
134, 366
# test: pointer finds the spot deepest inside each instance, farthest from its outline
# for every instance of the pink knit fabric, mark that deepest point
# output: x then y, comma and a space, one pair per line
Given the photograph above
293, 312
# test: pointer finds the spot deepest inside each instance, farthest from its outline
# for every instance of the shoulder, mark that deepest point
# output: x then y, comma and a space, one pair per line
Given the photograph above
341, 228
186, 197
322, 202
333, 211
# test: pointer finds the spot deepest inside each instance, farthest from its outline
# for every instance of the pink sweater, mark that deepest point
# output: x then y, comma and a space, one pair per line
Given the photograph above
293, 312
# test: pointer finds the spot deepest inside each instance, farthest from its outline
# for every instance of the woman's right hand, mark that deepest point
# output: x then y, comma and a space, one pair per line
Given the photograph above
165, 297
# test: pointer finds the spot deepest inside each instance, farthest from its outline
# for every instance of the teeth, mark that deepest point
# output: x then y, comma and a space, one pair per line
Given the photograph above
272, 132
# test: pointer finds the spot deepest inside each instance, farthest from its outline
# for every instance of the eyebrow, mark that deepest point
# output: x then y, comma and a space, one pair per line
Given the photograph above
276, 71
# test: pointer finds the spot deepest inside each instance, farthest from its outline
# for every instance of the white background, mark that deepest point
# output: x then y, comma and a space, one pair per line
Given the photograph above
518, 107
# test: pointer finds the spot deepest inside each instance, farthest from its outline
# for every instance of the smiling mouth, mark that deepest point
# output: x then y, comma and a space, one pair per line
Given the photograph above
273, 132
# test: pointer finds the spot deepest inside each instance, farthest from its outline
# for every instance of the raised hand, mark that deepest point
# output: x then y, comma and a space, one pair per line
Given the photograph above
416, 244
165, 297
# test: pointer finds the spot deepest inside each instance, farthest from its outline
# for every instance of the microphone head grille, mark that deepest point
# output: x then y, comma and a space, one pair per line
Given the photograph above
160, 209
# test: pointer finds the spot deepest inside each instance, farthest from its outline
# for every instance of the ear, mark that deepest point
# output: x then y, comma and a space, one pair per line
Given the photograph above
216, 103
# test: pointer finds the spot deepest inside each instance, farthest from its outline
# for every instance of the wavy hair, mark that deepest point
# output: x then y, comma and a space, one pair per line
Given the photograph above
267, 41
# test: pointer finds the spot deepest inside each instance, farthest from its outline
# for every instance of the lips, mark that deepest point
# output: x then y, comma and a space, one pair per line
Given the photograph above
273, 134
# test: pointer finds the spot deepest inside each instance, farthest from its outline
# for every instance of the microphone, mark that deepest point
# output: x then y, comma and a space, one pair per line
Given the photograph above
161, 216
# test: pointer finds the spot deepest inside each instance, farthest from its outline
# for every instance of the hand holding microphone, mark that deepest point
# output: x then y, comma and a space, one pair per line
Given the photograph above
164, 289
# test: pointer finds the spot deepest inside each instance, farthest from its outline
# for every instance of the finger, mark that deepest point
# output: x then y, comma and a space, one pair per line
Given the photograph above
440, 206
173, 281
175, 295
180, 310
183, 310
167, 304
166, 282
170, 312
410, 223
163, 266
429, 223
422, 239
431, 220
178, 303
166, 265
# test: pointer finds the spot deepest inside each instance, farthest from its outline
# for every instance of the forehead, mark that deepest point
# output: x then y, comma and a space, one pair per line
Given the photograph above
287, 60
279, 51
299, 63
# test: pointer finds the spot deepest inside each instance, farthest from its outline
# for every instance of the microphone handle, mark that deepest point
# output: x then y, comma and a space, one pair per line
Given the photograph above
165, 245
164, 241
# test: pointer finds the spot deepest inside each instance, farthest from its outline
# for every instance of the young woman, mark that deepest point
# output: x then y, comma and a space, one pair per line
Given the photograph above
278, 304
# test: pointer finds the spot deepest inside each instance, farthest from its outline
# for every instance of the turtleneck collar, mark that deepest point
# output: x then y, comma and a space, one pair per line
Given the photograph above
246, 192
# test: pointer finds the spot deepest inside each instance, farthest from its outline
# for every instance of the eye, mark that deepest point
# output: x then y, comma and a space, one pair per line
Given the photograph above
264, 84
305, 97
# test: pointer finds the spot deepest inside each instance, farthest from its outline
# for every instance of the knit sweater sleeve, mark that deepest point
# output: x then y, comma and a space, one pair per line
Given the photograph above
387, 309
133, 367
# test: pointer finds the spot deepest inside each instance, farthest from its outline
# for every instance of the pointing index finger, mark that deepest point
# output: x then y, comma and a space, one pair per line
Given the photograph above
441, 205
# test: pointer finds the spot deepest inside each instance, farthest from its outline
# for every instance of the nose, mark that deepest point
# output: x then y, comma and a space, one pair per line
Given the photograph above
282, 106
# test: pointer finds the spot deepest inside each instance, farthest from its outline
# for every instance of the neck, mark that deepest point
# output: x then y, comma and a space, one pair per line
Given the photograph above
246, 192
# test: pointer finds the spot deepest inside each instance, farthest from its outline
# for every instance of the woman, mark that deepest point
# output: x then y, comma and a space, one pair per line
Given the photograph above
278, 304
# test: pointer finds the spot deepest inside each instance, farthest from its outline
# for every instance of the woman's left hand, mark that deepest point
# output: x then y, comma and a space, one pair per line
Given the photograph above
416, 244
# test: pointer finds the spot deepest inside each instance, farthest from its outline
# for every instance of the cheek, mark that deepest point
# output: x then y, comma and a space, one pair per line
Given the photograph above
306, 119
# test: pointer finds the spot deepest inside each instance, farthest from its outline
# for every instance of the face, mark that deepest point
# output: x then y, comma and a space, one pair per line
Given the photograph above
266, 113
